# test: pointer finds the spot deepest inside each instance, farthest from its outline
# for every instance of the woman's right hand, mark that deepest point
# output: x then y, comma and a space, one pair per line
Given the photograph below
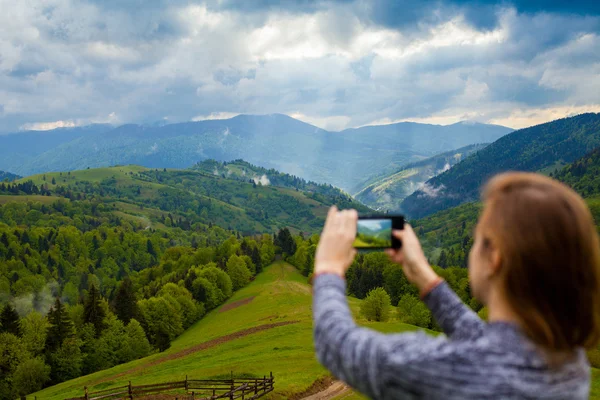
413, 260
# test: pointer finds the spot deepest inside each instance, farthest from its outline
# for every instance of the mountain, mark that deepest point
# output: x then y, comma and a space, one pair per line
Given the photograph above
541, 147
387, 192
22, 149
145, 195
7, 176
271, 141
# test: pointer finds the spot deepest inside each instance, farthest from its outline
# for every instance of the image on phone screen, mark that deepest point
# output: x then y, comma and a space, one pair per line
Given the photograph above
373, 233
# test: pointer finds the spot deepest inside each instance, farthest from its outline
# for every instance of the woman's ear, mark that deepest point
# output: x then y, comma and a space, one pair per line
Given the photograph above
495, 262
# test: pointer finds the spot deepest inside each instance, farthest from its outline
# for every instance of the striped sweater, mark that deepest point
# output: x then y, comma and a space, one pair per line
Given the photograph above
473, 360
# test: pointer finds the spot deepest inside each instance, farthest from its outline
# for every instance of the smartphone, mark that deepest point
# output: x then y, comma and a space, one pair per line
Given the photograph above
374, 232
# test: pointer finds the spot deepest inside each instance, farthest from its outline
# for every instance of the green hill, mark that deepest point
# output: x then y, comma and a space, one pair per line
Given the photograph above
243, 171
386, 192
583, 175
538, 148
264, 327
195, 196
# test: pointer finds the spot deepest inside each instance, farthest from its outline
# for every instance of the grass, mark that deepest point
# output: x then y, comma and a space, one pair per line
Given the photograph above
27, 198
281, 294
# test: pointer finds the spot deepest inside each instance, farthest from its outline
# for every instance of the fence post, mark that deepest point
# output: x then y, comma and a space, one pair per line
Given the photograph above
264, 383
130, 390
271, 380
232, 389
186, 384
213, 396
86, 392
255, 386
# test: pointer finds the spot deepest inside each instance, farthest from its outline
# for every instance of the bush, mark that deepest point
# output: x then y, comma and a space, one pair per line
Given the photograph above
413, 311
238, 272
376, 306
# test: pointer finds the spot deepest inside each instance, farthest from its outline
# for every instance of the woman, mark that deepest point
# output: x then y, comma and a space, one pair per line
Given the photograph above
535, 264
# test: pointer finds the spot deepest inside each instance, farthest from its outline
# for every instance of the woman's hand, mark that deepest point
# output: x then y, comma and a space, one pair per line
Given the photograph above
335, 252
411, 256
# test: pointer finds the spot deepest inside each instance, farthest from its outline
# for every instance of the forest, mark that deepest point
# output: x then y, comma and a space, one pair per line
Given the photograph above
83, 288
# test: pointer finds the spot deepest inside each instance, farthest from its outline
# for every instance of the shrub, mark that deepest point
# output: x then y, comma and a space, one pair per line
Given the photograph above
376, 306
413, 311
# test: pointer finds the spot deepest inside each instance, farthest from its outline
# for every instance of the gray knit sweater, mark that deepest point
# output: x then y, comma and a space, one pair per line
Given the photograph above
475, 360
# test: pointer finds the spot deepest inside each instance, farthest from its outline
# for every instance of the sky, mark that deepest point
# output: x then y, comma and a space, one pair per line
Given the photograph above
334, 63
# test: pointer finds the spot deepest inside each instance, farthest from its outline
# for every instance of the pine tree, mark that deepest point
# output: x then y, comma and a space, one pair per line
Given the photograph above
93, 312
125, 304
9, 321
61, 326
150, 248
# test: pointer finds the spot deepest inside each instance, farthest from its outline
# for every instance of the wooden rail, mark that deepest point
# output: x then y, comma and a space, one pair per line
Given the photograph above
194, 389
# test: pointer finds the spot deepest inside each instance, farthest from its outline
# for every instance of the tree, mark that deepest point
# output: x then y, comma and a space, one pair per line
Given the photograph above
125, 303
376, 306
137, 345
65, 362
30, 376
163, 316
9, 321
93, 312
61, 326
443, 261
285, 241
12, 353
238, 272
413, 311
53, 181
35, 327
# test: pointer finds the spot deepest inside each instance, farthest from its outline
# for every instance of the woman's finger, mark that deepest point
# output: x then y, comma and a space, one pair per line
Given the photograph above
349, 223
398, 234
330, 217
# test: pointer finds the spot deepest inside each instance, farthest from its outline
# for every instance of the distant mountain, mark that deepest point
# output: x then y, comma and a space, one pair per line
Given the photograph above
386, 193
540, 147
272, 141
7, 176
20, 151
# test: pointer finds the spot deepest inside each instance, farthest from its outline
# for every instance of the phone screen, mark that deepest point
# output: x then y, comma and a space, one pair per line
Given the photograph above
373, 233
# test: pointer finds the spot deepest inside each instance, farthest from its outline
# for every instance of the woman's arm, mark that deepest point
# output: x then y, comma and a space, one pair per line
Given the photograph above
453, 316
456, 319
367, 360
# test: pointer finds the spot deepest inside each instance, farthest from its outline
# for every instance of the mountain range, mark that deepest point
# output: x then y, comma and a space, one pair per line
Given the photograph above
343, 159
386, 192
541, 148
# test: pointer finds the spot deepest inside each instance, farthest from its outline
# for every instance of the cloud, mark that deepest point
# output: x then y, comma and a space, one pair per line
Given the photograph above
431, 191
46, 126
335, 64
263, 180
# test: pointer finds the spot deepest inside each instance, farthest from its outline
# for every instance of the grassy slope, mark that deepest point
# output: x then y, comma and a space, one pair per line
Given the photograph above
281, 295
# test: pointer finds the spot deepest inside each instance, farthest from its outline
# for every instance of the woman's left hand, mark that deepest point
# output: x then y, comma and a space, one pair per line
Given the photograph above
335, 252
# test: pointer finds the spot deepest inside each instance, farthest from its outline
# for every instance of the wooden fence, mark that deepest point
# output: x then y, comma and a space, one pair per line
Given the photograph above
194, 389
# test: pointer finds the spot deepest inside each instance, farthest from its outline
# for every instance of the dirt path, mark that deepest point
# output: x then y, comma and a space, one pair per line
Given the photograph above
196, 348
337, 388
236, 304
